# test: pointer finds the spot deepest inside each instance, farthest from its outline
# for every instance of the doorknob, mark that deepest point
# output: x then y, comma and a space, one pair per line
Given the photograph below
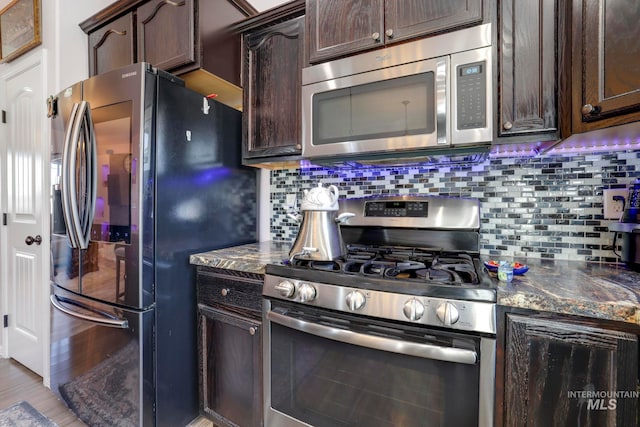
31, 240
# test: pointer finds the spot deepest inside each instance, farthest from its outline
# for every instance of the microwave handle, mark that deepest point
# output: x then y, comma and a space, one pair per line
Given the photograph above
442, 95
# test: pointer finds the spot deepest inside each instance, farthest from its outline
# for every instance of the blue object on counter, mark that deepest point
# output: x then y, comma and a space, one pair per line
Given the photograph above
516, 271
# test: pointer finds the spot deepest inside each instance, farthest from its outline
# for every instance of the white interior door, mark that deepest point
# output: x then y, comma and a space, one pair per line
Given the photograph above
23, 201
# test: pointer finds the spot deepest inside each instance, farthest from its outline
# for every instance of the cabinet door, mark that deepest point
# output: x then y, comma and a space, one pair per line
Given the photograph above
338, 27
548, 364
112, 46
410, 18
231, 368
166, 33
606, 66
527, 67
272, 84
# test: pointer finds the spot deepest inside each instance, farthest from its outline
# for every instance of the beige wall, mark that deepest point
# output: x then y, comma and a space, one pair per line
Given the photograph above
63, 41
66, 43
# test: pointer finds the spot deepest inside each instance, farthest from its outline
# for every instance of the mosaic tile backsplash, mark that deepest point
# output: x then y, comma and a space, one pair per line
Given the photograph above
540, 207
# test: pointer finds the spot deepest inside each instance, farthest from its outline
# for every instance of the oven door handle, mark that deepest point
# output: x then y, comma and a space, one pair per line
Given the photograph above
426, 351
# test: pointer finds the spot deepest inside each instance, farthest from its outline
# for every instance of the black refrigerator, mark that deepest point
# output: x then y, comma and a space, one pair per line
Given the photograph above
144, 173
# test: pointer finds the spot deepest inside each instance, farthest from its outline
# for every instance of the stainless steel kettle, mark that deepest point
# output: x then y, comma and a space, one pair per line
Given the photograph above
319, 237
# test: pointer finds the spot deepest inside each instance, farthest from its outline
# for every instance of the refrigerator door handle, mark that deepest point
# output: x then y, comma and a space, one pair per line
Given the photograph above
67, 172
82, 151
102, 318
91, 173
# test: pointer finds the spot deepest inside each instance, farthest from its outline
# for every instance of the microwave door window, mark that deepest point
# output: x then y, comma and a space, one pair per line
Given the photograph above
391, 108
332, 116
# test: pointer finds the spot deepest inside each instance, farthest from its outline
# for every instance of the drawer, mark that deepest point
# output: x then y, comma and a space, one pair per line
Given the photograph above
219, 288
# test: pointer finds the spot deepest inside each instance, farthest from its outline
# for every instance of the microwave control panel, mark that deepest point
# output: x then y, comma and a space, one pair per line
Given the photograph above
472, 95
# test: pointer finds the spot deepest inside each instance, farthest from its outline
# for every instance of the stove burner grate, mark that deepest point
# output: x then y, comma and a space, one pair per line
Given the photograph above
401, 263
317, 265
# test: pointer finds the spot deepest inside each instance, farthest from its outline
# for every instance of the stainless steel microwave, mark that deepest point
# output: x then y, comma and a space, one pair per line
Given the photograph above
430, 93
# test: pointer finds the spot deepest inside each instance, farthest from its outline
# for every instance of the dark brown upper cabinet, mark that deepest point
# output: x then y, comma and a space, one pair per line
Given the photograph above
166, 33
185, 37
547, 359
337, 28
528, 40
605, 63
112, 45
272, 81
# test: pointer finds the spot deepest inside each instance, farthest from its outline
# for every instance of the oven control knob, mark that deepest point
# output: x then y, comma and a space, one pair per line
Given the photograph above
355, 300
286, 288
413, 309
447, 313
307, 292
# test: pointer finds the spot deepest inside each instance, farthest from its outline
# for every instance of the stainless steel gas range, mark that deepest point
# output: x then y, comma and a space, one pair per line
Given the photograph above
398, 331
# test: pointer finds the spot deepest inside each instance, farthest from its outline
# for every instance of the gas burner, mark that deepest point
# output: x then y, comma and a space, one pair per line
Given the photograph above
421, 264
458, 267
401, 263
316, 265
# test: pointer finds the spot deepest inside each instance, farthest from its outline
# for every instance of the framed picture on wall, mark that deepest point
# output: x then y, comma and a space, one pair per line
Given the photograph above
19, 28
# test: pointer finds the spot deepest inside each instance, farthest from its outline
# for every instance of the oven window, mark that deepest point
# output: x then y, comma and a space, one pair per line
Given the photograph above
390, 108
324, 382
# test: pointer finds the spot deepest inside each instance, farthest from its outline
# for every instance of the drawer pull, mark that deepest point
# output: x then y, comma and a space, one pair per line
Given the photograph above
592, 110
252, 331
224, 292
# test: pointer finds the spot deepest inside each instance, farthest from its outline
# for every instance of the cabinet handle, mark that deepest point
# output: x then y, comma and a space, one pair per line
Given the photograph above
224, 292
389, 33
252, 330
298, 146
590, 109
376, 36
507, 125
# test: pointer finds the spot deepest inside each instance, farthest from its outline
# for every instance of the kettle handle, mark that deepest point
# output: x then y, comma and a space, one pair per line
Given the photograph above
334, 192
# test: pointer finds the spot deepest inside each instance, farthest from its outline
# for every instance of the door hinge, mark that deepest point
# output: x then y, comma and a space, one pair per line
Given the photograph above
5, 320
4, 219
4, 116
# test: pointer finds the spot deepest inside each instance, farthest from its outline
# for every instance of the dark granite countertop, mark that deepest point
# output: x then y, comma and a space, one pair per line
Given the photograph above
251, 258
602, 291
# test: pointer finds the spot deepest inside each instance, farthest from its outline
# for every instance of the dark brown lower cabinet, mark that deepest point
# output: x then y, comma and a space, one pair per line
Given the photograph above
563, 373
230, 348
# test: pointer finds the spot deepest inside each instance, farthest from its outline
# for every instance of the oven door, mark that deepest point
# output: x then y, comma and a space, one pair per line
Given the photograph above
328, 369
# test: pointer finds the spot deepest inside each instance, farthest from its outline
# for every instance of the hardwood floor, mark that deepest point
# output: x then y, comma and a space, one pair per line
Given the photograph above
19, 383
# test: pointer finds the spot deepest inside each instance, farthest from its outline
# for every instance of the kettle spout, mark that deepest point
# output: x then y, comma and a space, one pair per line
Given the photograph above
297, 218
344, 216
